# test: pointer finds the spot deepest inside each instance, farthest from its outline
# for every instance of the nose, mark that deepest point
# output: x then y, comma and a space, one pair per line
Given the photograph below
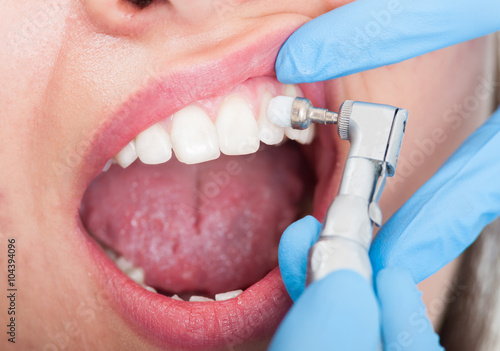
141, 3
132, 17
197, 10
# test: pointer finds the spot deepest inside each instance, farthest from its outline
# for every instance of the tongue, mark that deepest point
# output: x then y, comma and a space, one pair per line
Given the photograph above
206, 228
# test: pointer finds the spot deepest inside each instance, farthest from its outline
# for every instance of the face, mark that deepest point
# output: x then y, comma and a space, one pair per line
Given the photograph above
83, 79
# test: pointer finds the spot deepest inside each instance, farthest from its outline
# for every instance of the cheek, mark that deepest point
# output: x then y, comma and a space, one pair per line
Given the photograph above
32, 36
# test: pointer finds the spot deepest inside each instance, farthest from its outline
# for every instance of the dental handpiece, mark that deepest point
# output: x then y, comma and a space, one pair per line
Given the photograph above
375, 132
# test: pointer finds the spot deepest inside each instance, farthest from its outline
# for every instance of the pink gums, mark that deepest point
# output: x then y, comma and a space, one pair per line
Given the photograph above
252, 91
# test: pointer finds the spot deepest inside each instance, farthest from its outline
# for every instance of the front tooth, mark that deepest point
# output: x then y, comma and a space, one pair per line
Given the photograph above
228, 295
137, 275
153, 145
127, 155
237, 128
269, 133
194, 136
195, 298
176, 297
305, 136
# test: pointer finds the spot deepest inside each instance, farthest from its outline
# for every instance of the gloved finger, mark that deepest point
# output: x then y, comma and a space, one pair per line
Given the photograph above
366, 34
339, 312
292, 253
405, 325
448, 212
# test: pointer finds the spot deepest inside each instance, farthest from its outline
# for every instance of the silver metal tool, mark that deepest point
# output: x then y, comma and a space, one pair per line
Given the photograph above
375, 133
304, 113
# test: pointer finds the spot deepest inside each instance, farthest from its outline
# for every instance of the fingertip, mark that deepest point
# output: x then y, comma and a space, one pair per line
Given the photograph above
314, 223
293, 251
306, 228
292, 67
286, 71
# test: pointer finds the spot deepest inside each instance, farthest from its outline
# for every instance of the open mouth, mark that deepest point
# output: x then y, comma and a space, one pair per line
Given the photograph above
184, 221
202, 226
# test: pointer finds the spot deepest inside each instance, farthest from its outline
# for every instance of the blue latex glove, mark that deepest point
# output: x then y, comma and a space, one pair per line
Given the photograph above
432, 228
367, 34
437, 223
340, 312
448, 212
313, 323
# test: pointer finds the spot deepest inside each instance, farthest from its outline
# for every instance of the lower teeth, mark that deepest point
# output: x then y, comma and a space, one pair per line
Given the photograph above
138, 275
228, 295
195, 298
135, 273
150, 288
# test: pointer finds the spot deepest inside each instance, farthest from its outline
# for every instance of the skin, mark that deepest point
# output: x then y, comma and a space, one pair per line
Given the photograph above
83, 57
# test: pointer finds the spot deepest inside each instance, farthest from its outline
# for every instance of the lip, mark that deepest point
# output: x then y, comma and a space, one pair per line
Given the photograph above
251, 317
256, 313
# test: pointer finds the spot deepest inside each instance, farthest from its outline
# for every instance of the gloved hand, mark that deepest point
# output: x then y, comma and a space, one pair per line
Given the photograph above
340, 312
366, 34
436, 224
449, 211
432, 228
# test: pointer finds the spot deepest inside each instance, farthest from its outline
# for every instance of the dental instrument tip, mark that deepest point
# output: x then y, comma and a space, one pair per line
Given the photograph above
298, 113
280, 110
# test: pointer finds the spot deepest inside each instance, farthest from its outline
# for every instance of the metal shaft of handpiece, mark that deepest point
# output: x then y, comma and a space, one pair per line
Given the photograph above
359, 177
347, 228
304, 113
322, 116
375, 133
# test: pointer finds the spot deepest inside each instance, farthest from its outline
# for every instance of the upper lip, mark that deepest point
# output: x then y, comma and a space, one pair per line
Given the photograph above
167, 91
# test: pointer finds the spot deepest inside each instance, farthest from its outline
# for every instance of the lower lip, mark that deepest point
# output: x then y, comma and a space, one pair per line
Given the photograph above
252, 317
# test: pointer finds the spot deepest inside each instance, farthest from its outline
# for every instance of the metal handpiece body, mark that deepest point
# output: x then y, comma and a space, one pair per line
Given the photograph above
375, 133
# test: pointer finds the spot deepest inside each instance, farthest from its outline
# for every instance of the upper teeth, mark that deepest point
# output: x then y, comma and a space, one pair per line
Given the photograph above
269, 133
195, 138
237, 128
153, 145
